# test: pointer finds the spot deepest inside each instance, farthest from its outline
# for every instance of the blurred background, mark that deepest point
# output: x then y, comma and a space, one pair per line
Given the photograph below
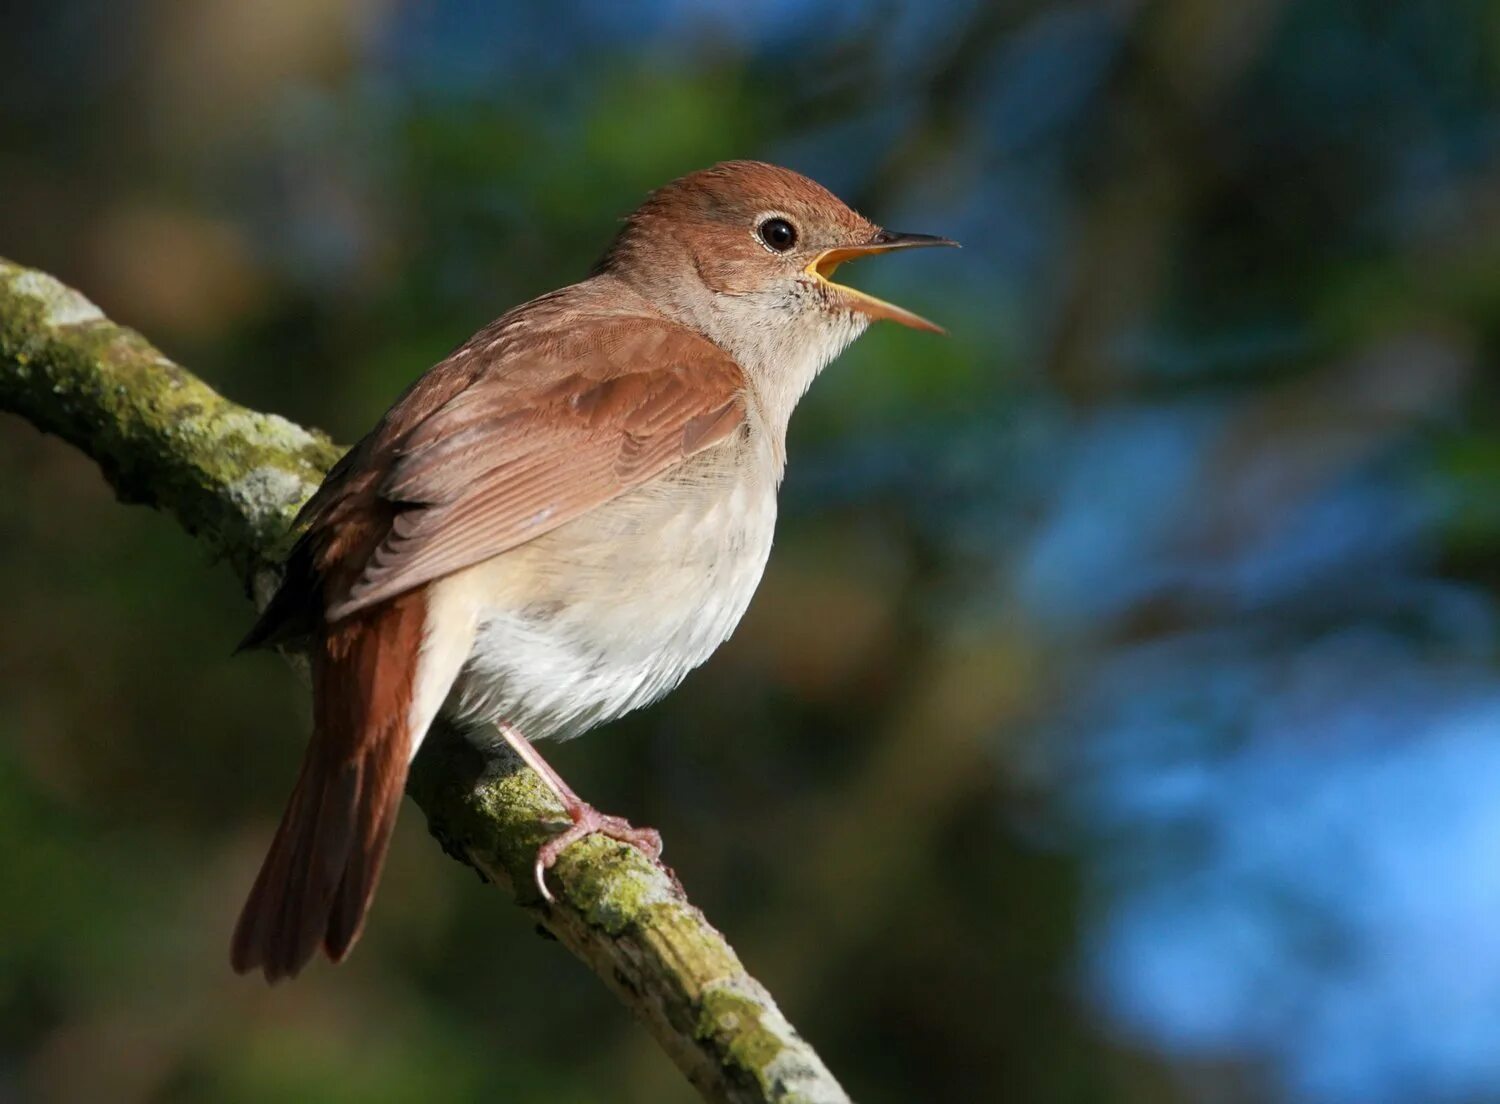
1119, 719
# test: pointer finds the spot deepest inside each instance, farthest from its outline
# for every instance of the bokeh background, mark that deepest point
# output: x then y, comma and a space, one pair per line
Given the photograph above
1119, 719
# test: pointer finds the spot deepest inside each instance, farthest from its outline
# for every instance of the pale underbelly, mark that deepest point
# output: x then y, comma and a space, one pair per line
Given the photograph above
609, 612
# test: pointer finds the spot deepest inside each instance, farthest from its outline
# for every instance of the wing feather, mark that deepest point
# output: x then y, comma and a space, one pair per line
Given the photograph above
544, 432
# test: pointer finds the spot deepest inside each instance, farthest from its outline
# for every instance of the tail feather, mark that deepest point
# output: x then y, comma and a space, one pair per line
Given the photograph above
325, 860
351, 900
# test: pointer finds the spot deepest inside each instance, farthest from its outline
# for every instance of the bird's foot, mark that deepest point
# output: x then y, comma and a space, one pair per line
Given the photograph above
588, 820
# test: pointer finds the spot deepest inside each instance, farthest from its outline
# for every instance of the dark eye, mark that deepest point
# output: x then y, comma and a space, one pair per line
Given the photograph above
779, 234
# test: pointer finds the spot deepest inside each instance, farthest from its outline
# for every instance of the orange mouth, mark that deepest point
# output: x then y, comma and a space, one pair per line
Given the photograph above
826, 263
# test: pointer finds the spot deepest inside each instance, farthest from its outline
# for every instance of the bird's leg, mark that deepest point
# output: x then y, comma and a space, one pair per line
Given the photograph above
586, 819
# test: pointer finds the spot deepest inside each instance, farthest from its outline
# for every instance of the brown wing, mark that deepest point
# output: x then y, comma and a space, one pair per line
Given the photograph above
523, 429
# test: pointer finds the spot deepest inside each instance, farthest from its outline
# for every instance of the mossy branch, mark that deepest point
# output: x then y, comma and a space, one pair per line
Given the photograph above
234, 478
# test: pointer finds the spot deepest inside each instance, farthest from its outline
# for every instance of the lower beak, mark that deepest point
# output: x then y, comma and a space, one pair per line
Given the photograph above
824, 264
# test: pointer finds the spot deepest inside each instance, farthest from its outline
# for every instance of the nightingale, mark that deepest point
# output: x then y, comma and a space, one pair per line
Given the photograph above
553, 525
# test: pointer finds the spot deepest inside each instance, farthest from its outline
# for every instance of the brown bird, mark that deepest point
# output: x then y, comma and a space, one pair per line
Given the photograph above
555, 524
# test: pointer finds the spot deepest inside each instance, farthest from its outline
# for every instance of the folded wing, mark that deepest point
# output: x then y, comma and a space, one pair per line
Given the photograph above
520, 431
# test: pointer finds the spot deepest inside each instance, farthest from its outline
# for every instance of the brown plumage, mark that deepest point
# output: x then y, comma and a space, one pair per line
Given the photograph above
555, 523
325, 860
512, 435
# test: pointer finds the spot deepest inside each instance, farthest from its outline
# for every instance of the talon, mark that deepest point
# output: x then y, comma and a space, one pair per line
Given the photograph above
588, 821
540, 873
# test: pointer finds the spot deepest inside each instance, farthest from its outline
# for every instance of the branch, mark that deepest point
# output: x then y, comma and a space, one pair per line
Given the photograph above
234, 478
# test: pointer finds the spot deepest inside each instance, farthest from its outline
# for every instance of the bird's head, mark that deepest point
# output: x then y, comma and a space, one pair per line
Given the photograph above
745, 252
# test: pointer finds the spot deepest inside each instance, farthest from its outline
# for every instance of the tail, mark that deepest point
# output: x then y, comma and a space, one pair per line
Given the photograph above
317, 881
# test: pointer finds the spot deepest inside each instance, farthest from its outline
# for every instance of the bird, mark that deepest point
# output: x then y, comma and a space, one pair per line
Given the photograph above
554, 524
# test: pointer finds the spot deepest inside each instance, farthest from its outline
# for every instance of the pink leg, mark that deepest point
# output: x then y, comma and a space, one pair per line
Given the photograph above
586, 819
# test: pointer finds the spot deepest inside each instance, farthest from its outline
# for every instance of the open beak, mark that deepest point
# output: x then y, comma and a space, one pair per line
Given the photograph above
886, 241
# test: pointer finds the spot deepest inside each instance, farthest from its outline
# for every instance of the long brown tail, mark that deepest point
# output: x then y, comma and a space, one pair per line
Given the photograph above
317, 881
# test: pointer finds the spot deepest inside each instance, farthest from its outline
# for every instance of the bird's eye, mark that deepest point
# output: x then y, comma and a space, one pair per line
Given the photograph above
779, 234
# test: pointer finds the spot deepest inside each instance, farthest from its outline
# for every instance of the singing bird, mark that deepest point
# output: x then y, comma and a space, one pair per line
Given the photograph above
553, 525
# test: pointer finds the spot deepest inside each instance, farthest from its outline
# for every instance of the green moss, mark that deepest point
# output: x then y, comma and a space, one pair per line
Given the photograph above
730, 1022
610, 883
231, 476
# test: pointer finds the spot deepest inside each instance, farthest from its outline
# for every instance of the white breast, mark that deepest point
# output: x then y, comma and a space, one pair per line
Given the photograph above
609, 612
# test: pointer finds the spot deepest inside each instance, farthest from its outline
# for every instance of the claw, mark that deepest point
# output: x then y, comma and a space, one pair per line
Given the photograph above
586, 821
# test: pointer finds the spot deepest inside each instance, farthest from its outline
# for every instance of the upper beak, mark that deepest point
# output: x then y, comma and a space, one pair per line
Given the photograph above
886, 241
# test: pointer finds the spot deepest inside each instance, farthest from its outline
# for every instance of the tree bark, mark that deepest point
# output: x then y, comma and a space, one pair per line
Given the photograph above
234, 478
